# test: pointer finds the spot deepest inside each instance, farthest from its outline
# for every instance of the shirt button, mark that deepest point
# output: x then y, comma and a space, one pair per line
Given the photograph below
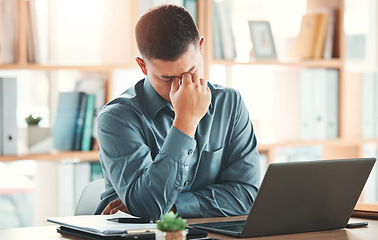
186, 183
190, 152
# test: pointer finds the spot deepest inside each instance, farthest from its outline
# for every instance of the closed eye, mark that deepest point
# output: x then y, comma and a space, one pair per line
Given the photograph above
167, 78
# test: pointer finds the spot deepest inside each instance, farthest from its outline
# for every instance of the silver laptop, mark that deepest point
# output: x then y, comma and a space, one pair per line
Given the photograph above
302, 197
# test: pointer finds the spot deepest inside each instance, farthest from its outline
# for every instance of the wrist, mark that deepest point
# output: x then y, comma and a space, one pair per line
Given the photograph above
185, 126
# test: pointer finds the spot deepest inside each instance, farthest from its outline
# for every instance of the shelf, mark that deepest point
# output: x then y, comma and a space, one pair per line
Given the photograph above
55, 156
313, 63
264, 147
92, 68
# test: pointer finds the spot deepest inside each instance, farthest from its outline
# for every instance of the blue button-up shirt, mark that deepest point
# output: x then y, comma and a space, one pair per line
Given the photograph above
151, 166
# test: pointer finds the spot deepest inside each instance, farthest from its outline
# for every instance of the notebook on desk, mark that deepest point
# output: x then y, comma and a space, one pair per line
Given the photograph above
99, 227
301, 197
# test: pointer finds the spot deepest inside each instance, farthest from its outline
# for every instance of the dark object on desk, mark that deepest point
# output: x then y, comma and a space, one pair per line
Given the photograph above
302, 197
193, 233
130, 220
357, 225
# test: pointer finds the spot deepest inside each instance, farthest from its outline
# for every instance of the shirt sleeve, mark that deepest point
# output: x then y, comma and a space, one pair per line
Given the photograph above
148, 186
238, 184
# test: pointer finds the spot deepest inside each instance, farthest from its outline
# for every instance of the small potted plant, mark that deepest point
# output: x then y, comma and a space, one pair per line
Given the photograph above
31, 121
33, 138
171, 227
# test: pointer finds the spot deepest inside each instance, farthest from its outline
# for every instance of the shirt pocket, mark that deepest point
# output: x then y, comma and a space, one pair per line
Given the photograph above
210, 165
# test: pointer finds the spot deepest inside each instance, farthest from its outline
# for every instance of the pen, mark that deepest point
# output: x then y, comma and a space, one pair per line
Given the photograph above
130, 220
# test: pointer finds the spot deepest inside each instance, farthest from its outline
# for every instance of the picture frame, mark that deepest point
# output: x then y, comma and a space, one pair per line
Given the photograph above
262, 40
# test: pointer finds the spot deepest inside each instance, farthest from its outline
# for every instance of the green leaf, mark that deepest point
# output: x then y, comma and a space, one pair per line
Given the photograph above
171, 222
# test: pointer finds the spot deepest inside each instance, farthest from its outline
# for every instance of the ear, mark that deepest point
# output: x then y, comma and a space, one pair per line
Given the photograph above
142, 65
201, 44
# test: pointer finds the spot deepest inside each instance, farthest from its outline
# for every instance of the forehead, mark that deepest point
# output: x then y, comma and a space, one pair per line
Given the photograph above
186, 62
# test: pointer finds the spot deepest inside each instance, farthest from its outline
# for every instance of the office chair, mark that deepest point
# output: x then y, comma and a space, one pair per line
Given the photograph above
90, 197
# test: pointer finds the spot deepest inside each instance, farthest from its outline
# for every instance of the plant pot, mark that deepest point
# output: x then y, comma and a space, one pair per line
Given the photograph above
34, 139
174, 235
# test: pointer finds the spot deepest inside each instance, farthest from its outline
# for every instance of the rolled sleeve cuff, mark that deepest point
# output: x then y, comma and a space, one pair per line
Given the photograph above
178, 146
188, 205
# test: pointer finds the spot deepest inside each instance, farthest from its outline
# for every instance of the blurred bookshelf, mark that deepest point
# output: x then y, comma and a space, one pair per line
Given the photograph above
55, 156
271, 110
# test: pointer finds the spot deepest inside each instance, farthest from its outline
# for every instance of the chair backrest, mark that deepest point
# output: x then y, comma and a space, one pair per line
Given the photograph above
90, 197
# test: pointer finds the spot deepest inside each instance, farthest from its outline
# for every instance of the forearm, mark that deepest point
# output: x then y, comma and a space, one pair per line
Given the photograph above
149, 187
227, 199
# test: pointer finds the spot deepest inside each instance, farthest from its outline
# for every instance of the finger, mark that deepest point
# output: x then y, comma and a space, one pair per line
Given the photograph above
106, 210
195, 78
186, 79
111, 205
119, 208
175, 85
203, 82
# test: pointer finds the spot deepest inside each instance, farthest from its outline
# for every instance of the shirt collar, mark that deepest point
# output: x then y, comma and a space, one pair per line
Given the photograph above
154, 102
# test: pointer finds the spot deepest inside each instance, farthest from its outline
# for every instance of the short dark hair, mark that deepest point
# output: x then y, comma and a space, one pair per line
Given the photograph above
165, 32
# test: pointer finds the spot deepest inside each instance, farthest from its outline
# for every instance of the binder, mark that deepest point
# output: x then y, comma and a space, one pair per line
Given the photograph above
307, 104
369, 82
332, 106
8, 116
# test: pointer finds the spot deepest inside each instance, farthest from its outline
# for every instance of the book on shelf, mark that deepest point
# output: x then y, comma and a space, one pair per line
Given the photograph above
93, 84
96, 171
67, 119
329, 41
224, 12
311, 38
32, 33
8, 31
79, 122
88, 123
8, 116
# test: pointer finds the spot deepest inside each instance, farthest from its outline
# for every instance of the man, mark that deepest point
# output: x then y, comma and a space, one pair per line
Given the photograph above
175, 141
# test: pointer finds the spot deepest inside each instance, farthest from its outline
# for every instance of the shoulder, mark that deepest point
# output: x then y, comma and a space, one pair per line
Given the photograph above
222, 94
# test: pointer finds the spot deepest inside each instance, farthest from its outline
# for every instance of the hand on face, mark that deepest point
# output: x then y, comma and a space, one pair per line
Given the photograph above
190, 99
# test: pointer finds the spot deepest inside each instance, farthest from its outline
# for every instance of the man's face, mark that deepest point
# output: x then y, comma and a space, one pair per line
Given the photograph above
161, 73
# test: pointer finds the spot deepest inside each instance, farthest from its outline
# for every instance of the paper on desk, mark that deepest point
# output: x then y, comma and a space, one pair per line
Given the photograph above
99, 223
